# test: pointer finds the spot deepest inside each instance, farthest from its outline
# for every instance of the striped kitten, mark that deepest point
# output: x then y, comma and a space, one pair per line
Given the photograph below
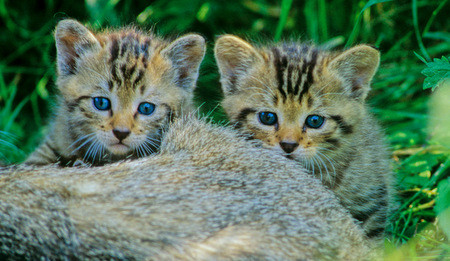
118, 89
309, 105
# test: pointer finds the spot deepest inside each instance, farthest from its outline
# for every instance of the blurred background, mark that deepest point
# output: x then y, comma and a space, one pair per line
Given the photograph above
413, 37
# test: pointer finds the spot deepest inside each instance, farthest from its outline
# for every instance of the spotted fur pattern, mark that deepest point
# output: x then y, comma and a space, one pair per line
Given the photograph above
125, 69
297, 83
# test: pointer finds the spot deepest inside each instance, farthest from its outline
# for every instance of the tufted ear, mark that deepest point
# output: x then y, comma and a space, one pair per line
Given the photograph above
72, 41
186, 54
234, 57
356, 67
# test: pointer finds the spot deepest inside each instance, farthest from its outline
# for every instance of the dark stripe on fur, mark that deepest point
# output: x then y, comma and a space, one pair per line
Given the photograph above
309, 66
114, 49
110, 85
142, 88
130, 72
242, 116
123, 47
379, 206
144, 48
114, 73
169, 114
280, 65
334, 142
378, 192
376, 232
289, 80
74, 104
346, 129
54, 151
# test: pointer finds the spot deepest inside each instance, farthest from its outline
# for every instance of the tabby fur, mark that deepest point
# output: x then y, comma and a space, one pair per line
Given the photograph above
118, 89
280, 94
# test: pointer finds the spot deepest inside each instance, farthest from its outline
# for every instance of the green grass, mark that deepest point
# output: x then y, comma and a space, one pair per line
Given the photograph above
416, 121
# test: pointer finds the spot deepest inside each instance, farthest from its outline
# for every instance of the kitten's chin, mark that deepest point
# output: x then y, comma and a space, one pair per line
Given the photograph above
119, 149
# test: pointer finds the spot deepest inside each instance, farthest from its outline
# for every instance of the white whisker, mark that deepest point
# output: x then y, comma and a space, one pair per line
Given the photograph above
318, 166
89, 137
323, 164
331, 164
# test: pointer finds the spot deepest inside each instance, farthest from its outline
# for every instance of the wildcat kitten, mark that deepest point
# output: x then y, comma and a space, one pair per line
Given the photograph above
309, 105
118, 89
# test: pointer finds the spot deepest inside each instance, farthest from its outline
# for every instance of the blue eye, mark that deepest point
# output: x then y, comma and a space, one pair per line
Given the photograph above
314, 121
102, 103
146, 108
268, 118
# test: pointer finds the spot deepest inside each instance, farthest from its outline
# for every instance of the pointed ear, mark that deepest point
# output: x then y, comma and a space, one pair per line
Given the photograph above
72, 41
234, 57
186, 54
356, 67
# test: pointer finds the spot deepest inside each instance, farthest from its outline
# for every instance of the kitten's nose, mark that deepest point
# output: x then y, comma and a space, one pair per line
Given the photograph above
288, 147
121, 133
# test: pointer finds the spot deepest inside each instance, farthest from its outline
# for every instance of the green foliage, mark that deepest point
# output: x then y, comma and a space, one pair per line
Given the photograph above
436, 72
355, 30
9, 129
285, 8
416, 124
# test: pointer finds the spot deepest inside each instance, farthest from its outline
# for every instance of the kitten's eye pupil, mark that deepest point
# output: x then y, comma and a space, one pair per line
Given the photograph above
268, 118
146, 108
102, 103
314, 121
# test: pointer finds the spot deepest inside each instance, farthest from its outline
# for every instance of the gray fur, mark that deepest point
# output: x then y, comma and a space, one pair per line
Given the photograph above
208, 195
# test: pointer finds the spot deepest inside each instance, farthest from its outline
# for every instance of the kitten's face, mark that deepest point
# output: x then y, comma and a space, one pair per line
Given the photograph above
120, 119
122, 88
298, 100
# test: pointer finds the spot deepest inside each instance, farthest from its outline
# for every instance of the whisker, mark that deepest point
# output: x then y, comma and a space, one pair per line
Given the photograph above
148, 144
318, 166
88, 152
323, 164
331, 164
80, 139
88, 138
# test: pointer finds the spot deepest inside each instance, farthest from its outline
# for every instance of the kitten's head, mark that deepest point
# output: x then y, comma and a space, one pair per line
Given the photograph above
297, 99
120, 88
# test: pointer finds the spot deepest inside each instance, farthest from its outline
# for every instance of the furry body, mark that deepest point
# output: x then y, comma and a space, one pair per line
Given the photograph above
208, 195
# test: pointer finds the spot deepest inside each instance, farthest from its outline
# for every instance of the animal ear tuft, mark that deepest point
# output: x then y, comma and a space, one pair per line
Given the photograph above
356, 67
235, 57
72, 41
186, 54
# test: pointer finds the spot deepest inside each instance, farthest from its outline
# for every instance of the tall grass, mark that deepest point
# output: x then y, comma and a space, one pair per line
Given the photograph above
420, 226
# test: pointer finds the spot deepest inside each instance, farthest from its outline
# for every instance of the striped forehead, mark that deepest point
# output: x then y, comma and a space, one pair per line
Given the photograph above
294, 68
129, 56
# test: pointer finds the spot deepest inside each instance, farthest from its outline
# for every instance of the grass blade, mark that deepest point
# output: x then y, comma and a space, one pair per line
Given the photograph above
355, 31
285, 8
416, 31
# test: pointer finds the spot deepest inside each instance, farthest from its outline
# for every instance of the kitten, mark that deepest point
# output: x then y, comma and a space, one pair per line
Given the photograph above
309, 105
118, 89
